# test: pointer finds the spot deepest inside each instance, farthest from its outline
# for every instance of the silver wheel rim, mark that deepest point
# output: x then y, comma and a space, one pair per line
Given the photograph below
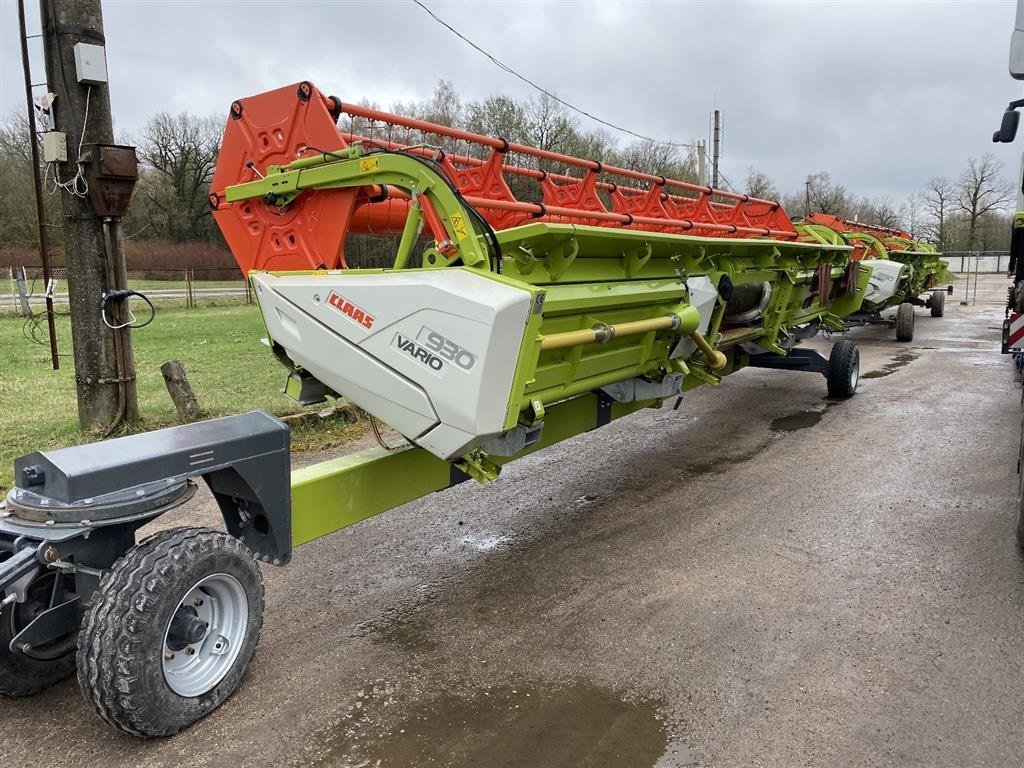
193, 668
855, 374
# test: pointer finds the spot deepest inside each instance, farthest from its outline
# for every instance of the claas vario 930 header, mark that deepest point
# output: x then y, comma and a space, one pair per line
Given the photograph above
901, 269
533, 296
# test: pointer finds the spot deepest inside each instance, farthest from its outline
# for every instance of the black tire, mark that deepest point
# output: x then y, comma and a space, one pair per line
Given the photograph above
1020, 489
122, 643
24, 674
1020, 519
938, 304
843, 373
905, 322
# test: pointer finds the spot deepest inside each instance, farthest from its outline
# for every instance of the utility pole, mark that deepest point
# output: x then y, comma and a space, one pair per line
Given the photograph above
716, 148
807, 197
702, 162
93, 244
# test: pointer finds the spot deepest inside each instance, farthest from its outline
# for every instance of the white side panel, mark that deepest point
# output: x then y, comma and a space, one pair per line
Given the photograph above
344, 367
451, 334
703, 296
885, 276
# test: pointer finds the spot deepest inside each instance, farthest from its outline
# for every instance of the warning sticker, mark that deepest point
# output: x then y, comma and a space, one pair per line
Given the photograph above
368, 164
459, 226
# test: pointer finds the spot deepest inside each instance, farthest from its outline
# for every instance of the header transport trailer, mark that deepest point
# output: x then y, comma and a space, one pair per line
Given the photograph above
506, 323
901, 267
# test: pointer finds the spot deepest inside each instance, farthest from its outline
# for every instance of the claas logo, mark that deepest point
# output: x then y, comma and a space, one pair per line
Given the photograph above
350, 310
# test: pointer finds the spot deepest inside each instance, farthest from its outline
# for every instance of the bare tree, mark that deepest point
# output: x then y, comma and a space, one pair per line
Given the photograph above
651, 157
759, 185
178, 154
826, 196
982, 188
444, 106
884, 213
912, 211
548, 125
497, 116
17, 197
939, 195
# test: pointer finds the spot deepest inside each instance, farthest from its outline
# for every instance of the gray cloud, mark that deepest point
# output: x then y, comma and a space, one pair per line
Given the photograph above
882, 95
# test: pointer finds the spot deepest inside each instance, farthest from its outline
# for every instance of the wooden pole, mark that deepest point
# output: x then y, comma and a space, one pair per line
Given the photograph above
104, 370
178, 387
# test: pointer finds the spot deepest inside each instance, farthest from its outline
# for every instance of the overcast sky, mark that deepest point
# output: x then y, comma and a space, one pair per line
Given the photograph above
882, 95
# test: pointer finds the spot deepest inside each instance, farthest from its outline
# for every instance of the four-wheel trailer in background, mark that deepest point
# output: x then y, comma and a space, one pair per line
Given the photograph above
902, 270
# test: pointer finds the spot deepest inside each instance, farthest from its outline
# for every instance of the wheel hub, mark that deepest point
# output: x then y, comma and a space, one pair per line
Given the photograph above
186, 628
205, 635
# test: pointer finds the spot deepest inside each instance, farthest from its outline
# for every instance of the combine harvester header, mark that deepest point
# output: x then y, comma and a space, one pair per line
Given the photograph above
901, 268
614, 280
296, 130
533, 297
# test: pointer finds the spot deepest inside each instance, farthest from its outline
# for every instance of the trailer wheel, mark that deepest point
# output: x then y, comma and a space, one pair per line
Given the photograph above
172, 629
938, 303
905, 322
23, 673
843, 373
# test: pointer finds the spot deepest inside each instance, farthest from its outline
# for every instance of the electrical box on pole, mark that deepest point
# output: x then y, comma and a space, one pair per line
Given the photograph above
55, 147
90, 64
96, 178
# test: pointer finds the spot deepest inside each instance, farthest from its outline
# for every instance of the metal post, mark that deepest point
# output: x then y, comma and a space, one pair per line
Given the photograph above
977, 264
44, 242
104, 367
807, 197
21, 280
716, 147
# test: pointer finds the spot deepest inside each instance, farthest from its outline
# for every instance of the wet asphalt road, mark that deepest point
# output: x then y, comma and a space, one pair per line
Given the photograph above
762, 578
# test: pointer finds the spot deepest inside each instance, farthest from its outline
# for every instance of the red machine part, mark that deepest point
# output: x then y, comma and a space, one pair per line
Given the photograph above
844, 225
274, 128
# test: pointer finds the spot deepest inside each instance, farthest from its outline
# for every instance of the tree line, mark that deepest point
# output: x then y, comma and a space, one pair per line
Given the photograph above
178, 153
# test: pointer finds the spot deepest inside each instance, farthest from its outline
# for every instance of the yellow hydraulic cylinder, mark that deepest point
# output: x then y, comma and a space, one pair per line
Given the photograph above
603, 333
716, 360
685, 320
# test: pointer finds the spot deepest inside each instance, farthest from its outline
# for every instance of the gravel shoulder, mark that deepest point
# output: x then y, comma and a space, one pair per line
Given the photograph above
761, 578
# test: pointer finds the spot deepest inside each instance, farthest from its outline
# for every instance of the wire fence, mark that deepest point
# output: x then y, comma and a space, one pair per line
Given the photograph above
976, 277
979, 278
23, 291
977, 262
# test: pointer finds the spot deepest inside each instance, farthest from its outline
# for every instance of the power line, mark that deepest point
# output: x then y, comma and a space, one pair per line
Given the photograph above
506, 68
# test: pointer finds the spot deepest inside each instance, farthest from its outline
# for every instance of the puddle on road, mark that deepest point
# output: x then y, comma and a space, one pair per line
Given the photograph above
506, 728
413, 633
713, 466
902, 359
798, 420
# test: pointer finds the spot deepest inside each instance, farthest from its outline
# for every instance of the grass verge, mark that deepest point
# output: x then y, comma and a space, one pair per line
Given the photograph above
230, 371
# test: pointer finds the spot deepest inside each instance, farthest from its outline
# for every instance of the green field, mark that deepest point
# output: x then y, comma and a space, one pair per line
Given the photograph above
8, 287
230, 371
